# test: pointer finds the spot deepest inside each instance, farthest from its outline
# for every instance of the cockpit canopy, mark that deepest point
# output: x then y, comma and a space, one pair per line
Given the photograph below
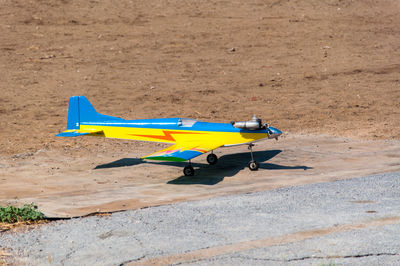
186, 122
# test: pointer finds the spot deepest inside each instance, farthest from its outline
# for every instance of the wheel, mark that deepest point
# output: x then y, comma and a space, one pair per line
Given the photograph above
188, 170
253, 165
212, 158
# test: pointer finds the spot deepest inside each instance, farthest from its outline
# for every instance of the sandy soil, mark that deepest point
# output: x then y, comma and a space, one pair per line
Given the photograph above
307, 67
313, 66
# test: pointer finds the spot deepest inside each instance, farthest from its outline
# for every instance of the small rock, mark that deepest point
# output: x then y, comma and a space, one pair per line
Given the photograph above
233, 49
48, 56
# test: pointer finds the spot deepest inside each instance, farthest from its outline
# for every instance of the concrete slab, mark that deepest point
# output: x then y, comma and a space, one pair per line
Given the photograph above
70, 186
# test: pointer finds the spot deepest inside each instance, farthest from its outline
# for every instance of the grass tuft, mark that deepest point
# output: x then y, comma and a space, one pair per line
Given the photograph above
27, 213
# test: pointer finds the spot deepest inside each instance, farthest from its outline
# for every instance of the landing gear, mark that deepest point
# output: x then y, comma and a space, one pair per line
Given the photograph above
212, 158
253, 165
188, 170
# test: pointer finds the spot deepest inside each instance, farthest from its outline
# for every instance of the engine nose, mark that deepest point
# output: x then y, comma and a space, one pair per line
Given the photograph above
274, 133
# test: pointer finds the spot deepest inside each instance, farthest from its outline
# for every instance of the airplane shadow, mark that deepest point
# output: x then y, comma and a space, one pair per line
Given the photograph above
135, 161
228, 165
120, 163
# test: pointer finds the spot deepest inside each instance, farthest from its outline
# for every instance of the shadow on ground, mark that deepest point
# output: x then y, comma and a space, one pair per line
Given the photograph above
228, 165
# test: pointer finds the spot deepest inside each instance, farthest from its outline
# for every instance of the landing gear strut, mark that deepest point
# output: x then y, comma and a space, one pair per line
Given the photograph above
212, 158
253, 165
188, 170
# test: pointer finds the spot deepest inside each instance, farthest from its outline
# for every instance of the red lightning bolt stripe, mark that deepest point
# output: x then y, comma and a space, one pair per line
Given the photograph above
167, 135
198, 149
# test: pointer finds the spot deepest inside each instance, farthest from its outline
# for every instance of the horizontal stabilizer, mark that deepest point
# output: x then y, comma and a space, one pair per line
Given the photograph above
77, 133
71, 134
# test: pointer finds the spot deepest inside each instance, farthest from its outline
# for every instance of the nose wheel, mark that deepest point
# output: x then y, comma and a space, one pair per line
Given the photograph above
253, 165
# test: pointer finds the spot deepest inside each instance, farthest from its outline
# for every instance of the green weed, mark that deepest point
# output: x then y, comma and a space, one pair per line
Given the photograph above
330, 264
13, 214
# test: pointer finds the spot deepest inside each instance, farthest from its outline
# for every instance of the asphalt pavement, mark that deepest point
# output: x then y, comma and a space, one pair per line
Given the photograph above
353, 221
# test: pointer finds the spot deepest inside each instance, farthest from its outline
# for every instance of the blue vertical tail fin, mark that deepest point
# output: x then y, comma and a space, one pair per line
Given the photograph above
87, 113
73, 121
80, 110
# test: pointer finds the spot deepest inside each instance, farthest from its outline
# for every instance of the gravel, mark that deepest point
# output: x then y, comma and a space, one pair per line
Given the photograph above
184, 227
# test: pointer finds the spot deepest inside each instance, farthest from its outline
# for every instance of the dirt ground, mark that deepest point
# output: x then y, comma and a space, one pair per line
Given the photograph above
310, 66
314, 69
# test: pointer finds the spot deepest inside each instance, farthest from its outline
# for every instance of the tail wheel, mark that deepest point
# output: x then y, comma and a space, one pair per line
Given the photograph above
253, 165
188, 170
212, 158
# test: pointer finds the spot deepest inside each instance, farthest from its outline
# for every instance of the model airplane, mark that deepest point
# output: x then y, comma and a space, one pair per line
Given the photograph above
190, 137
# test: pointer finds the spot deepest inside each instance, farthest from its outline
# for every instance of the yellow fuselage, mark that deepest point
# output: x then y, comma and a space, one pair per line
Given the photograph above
176, 136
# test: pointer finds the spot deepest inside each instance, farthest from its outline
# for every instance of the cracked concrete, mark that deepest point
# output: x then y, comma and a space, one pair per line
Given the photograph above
350, 247
316, 257
308, 260
239, 250
310, 224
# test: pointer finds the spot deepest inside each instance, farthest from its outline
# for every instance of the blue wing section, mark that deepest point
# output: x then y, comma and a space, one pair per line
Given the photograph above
177, 156
182, 151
